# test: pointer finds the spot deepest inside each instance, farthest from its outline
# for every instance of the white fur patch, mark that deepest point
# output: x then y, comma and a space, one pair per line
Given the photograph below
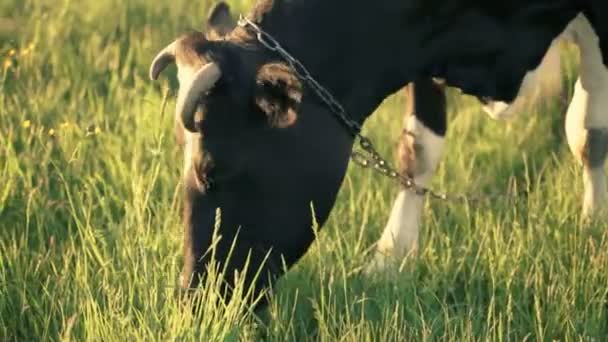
498, 110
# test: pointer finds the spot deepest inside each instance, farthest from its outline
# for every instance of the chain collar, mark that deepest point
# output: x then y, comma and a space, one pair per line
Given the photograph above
367, 156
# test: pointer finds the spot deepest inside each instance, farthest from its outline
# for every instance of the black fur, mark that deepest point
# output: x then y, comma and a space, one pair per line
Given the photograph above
427, 102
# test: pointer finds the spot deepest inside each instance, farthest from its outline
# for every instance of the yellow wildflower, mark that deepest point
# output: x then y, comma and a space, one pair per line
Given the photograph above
64, 125
97, 130
51, 132
12, 52
27, 50
26, 124
7, 64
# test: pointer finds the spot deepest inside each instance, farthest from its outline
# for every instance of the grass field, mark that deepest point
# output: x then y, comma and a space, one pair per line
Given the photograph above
90, 239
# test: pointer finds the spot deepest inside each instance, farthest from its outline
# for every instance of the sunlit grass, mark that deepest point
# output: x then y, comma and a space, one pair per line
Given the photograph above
90, 239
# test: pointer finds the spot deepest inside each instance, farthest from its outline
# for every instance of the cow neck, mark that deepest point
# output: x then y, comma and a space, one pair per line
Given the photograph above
334, 52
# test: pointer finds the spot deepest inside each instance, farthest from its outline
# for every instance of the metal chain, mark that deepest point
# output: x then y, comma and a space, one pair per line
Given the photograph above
368, 156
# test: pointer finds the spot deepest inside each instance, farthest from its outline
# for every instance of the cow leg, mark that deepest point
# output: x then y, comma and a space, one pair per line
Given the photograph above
587, 119
419, 152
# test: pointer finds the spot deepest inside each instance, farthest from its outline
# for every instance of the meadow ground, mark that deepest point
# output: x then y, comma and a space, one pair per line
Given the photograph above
90, 239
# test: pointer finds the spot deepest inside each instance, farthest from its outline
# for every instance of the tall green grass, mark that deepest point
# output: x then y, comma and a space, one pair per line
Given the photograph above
90, 238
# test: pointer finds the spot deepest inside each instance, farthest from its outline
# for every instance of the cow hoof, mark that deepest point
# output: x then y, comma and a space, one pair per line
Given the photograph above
383, 263
380, 265
594, 216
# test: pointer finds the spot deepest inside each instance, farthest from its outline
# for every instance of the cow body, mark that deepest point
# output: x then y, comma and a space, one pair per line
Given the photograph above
276, 153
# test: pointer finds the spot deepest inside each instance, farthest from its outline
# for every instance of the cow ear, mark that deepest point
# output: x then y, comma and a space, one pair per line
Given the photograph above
277, 94
220, 21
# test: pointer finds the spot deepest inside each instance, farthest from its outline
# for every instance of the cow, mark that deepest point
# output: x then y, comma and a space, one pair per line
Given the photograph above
271, 154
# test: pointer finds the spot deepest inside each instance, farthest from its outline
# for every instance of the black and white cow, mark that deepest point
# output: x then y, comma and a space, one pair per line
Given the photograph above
272, 148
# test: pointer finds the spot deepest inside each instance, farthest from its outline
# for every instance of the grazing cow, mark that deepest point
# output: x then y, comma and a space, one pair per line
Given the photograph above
276, 153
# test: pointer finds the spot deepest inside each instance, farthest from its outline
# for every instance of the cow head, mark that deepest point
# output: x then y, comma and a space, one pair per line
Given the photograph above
219, 23
266, 175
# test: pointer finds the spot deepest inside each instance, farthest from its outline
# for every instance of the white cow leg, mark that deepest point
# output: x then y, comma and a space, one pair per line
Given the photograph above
589, 144
419, 152
587, 118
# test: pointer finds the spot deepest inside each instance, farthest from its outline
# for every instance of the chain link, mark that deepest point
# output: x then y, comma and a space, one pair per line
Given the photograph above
367, 156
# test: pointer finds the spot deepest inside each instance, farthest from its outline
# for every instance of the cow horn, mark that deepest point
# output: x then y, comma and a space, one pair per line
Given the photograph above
162, 60
189, 94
